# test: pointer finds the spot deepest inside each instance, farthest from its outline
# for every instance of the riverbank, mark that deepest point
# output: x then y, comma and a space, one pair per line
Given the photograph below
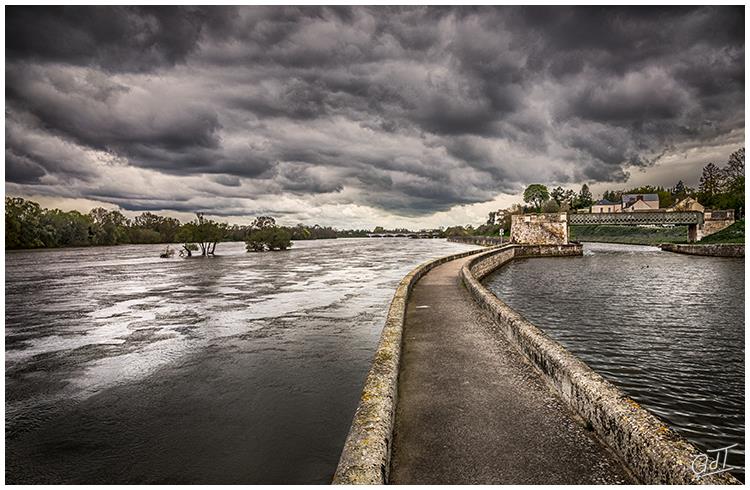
637, 235
711, 250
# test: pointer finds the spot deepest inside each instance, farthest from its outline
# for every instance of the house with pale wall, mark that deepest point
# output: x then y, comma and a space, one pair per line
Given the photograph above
640, 202
688, 204
605, 206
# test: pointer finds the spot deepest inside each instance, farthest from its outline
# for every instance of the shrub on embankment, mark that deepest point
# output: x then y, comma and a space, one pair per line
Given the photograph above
635, 235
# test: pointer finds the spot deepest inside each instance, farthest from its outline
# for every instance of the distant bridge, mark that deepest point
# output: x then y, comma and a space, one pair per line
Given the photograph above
403, 235
638, 218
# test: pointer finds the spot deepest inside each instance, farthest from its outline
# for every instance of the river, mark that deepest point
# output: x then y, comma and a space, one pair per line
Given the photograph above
666, 328
121, 367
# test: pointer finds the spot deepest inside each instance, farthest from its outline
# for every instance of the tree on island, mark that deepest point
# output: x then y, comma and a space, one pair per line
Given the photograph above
265, 235
201, 234
536, 194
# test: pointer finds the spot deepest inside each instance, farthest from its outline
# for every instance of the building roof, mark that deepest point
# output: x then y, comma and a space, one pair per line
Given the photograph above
604, 202
635, 197
629, 199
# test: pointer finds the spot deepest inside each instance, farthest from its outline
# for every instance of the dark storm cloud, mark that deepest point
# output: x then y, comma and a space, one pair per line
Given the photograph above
411, 110
115, 38
22, 169
98, 113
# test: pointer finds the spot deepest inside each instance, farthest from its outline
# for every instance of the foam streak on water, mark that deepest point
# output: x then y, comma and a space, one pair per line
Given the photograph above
244, 368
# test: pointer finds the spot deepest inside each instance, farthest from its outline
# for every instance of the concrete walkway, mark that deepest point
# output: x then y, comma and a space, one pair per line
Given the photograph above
471, 410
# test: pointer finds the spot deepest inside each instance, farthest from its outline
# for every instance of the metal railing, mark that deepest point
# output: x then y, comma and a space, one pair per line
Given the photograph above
638, 218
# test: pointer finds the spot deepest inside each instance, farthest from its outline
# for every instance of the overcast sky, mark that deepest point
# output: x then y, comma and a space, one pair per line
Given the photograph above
416, 116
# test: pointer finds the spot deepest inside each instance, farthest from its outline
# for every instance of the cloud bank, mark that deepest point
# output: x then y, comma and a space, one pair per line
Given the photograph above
348, 115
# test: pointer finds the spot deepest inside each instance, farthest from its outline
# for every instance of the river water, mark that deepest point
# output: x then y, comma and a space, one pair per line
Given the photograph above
244, 368
666, 328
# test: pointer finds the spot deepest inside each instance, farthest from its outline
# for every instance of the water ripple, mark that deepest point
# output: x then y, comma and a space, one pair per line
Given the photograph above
667, 328
244, 368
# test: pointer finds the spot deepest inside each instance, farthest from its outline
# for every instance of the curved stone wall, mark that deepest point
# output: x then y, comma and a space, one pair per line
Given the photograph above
366, 456
649, 448
712, 250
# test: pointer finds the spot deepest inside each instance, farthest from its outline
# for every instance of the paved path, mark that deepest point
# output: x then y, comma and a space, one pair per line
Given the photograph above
472, 410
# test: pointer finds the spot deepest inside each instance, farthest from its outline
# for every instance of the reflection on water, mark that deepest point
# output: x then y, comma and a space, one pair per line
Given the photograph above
244, 368
667, 328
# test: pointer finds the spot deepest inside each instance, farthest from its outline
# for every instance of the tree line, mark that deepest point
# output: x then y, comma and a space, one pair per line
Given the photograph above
28, 225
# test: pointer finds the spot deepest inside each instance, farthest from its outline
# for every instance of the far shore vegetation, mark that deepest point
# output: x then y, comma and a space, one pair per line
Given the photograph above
28, 225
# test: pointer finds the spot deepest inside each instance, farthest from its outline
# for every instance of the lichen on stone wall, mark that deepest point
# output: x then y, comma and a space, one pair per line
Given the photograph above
539, 229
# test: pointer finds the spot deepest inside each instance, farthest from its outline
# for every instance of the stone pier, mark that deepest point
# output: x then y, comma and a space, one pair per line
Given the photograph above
472, 410
465, 390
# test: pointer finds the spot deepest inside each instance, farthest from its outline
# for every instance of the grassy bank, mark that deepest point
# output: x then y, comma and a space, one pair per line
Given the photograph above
633, 235
733, 234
